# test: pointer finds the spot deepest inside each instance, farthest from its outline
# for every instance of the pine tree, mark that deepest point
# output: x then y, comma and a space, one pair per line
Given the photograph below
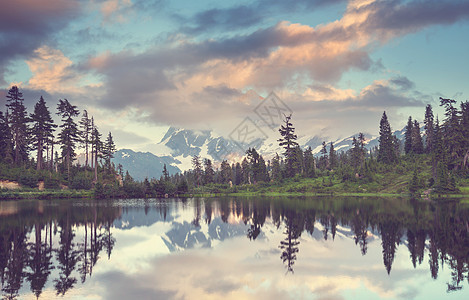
452, 133
197, 169
309, 168
465, 132
108, 150
323, 160
97, 146
70, 135
429, 129
5, 140
288, 142
246, 172
225, 171
209, 173
18, 120
332, 157
417, 143
85, 125
276, 174
165, 173
387, 148
42, 129
408, 136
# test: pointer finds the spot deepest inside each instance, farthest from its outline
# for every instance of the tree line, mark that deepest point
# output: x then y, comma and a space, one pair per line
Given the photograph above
444, 145
22, 135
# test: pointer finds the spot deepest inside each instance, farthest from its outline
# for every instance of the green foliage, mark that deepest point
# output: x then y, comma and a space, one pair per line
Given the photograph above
81, 182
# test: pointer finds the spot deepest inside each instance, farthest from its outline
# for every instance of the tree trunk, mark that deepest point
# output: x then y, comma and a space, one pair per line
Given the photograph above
39, 155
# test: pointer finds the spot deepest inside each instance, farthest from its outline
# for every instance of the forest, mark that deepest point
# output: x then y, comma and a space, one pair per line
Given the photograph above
429, 160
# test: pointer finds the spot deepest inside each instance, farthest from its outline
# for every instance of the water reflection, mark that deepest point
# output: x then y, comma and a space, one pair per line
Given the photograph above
57, 244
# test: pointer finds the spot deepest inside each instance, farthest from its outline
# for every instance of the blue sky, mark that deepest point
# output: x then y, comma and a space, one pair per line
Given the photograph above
141, 66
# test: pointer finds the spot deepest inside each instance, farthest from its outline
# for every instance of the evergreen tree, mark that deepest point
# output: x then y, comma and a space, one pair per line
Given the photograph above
225, 171
288, 142
97, 146
5, 140
386, 151
238, 174
323, 160
42, 129
309, 168
18, 120
85, 125
165, 173
452, 132
409, 129
209, 173
108, 150
246, 172
465, 132
276, 174
69, 135
332, 157
417, 144
197, 169
429, 130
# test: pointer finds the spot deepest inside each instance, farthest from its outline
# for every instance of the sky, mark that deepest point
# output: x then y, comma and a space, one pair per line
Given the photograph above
141, 66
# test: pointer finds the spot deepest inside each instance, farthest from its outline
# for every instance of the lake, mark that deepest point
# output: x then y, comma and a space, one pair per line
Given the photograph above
234, 248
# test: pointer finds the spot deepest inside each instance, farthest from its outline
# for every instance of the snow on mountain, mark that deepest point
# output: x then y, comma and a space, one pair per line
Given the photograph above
182, 144
143, 165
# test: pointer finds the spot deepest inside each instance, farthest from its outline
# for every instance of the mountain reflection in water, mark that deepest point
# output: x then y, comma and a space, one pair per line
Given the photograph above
149, 248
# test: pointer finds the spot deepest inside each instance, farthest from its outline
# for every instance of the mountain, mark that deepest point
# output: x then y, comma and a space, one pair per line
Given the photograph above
143, 165
184, 144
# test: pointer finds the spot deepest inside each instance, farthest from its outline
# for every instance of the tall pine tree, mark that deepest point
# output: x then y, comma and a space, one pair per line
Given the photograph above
408, 136
429, 129
18, 120
85, 125
42, 129
288, 142
69, 136
386, 149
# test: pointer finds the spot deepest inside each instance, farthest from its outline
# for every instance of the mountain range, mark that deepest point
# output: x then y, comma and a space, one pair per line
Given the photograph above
186, 143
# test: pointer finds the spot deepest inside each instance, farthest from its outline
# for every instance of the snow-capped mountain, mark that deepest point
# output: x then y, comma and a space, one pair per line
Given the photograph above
143, 165
183, 144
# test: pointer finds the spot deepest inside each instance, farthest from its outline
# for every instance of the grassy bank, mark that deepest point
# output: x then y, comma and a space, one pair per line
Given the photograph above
46, 194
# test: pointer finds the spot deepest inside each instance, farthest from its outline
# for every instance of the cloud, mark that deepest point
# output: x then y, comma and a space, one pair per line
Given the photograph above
51, 71
244, 16
27, 24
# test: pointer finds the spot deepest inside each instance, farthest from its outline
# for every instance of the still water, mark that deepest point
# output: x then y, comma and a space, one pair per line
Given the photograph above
233, 248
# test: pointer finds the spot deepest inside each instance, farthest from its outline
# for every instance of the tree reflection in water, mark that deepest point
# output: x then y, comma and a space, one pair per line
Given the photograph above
37, 239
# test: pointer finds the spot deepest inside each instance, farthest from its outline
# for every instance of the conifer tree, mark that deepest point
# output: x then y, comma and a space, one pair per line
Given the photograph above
165, 173
465, 132
225, 171
417, 144
276, 174
452, 133
408, 136
309, 168
42, 129
97, 146
209, 173
386, 150
246, 172
332, 157
197, 169
323, 160
288, 142
18, 120
429, 129
69, 136
86, 128
108, 150
5, 140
